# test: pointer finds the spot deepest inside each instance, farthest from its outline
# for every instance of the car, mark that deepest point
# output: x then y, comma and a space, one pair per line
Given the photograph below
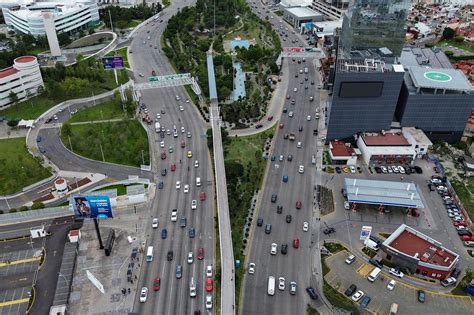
290, 114
190, 154
464, 233
192, 232
300, 128
209, 285
273, 158
461, 228
202, 196
163, 155
353, 169
196, 164
308, 118
350, 290
174, 215
468, 243
259, 221
181, 109
312, 293
458, 218
208, 302
179, 271
38, 139
357, 296
448, 282
365, 301
285, 178
190, 258
162, 144
328, 231
288, 97
305, 226
169, 256
164, 234
170, 149
188, 134
295, 90
279, 209
299, 145
350, 259
173, 167
288, 218
143, 294
193, 204
154, 223
281, 283
391, 285
347, 205
301, 169
186, 188
163, 172
281, 125
298, 205
274, 198
270, 118
281, 158
273, 249
396, 272
156, 284
376, 263
292, 288
251, 268
296, 243
268, 228
178, 184
285, 110
284, 249
182, 129
289, 158
421, 296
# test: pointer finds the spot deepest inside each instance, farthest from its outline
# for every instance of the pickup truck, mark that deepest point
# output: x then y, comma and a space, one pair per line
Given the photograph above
292, 137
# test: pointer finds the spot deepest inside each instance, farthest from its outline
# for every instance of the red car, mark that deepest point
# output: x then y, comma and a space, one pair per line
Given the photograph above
183, 144
270, 118
173, 167
157, 284
467, 238
209, 285
163, 155
201, 253
298, 204
296, 243
281, 125
459, 223
202, 196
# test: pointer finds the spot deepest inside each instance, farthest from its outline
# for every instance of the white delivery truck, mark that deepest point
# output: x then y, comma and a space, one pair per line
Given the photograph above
157, 127
271, 285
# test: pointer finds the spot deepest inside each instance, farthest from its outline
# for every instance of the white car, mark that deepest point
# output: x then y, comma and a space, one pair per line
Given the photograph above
281, 283
305, 226
357, 296
396, 272
174, 215
350, 259
273, 249
186, 188
208, 301
143, 294
158, 116
188, 134
290, 114
190, 258
187, 101
178, 184
196, 164
181, 108
301, 169
391, 285
295, 90
193, 204
401, 169
154, 224
183, 130
177, 98
299, 145
251, 268
353, 169
461, 228
141, 75
162, 144
347, 206
281, 158
308, 118
209, 271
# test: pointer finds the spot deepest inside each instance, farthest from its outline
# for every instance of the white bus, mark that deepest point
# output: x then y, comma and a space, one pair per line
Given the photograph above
374, 274
271, 285
149, 253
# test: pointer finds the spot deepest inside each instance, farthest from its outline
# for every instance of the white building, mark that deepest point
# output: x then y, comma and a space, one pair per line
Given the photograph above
23, 78
68, 15
423, 29
418, 140
332, 9
296, 16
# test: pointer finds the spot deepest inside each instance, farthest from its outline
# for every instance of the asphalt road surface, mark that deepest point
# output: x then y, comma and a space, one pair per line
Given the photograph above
296, 264
173, 296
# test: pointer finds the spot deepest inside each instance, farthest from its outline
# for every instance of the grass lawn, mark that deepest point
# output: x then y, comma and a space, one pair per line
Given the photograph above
334, 247
465, 194
121, 188
108, 110
327, 201
311, 311
122, 142
454, 43
134, 23
121, 52
338, 299
18, 168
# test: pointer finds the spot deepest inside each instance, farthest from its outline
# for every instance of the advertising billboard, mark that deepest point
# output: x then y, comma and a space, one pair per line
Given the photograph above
92, 207
365, 232
115, 62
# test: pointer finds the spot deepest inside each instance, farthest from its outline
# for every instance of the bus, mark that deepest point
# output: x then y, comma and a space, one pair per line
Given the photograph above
149, 253
374, 274
271, 285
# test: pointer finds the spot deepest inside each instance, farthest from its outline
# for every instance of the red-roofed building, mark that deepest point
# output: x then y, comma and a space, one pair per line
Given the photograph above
422, 255
342, 153
386, 148
23, 78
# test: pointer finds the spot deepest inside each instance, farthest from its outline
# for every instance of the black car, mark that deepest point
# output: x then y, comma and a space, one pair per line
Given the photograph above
192, 233
268, 229
312, 82
365, 301
284, 249
328, 231
170, 255
288, 218
350, 290
258, 126
160, 185
259, 221
378, 170
456, 272
312, 293
164, 234
163, 172
279, 209
418, 170
376, 263
421, 296
290, 157
274, 198
285, 110
464, 232
338, 170
182, 222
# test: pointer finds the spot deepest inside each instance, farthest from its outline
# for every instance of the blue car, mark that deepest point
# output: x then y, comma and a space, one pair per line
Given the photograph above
163, 172
38, 139
365, 301
164, 234
160, 185
285, 178
273, 157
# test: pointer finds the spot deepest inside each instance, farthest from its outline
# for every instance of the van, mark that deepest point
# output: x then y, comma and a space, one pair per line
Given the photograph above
271, 285
374, 274
198, 181
393, 309
313, 159
149, 253
192, 288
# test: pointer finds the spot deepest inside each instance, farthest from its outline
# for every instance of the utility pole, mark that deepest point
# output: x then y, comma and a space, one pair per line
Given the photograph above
70, 143
102, 151
111, 26
143, 158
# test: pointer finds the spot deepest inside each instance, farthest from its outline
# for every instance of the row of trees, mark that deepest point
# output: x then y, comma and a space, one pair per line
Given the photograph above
122, 16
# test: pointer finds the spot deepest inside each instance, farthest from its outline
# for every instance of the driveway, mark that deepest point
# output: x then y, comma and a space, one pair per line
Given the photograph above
403, 294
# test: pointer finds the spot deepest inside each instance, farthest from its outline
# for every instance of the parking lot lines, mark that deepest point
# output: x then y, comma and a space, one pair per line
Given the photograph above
14, 302
20, 261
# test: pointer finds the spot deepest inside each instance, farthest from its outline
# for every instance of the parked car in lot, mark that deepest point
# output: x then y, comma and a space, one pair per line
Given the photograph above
350, 259
357, 296
395, 272
365, 301
421, 296
376, 263
350, 290
391, 285
448, 282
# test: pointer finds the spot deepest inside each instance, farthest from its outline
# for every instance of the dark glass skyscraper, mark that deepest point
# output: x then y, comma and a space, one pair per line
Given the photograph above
374, 24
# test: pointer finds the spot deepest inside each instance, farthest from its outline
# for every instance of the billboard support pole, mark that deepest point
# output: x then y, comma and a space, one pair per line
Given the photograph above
96, 223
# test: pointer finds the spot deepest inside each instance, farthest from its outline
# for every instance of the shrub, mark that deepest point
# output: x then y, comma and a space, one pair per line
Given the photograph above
37, 205
459, 39
24, 208
12, 210
449, 53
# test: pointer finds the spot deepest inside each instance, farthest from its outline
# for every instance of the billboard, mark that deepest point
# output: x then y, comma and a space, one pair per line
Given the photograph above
365, 232
115, 62
293, 49
92, 207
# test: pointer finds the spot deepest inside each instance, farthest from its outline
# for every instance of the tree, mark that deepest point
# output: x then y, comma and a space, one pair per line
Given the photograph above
66, 130
91, 31
12, 123
37, 205
459, 39
448, 33
64, 39
13, 97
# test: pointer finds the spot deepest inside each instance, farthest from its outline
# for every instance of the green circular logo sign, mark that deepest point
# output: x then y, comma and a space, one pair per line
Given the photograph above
437, 76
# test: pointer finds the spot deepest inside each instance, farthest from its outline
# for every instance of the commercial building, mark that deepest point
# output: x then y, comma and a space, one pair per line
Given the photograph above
374, 24
301, 15
23, 78
385, 148
418, 140
68, 15
419, 253
332, 9
342, 153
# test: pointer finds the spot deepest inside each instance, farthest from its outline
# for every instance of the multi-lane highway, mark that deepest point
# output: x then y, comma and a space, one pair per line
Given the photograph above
174, 294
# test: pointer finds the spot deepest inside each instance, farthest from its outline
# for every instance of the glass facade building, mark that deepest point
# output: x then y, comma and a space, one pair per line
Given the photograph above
374, 24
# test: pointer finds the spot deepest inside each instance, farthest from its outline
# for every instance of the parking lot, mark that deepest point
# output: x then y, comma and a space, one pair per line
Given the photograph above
404, 295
